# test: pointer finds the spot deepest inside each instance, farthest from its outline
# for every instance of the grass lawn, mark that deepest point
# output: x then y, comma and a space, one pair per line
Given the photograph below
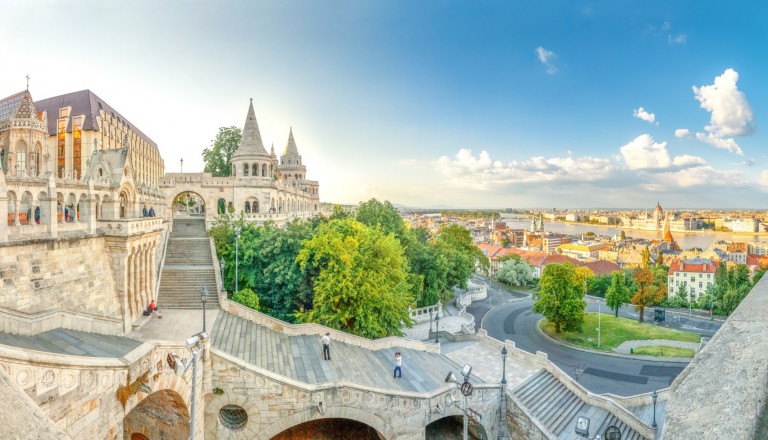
615, 331
665, 351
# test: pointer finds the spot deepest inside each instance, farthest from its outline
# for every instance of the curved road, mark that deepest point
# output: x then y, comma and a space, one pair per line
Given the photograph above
511, 318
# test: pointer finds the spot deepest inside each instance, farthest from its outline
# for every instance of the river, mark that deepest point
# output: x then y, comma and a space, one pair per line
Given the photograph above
686, 240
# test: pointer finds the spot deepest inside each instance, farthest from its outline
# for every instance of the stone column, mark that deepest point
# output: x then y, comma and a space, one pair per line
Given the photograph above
3, 208
48, 209
129, 286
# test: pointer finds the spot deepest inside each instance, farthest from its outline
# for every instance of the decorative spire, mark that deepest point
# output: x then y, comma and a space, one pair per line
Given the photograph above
250, 142
290, 146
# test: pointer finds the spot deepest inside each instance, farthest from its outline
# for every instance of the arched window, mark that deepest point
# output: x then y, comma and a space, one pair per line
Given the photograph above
255, 206
247, 206
21, 156
245, 170
264, 170
255, 170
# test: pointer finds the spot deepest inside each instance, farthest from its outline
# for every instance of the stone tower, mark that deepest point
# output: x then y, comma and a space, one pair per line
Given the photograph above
290, 166
251, 158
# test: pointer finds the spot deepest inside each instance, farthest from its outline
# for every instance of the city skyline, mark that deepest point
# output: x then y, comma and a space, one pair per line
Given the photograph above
440, 104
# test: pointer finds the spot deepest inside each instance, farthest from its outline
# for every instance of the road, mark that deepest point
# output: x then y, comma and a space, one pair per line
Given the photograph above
510, 317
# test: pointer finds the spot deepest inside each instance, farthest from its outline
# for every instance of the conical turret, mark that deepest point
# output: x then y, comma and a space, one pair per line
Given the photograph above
250, 142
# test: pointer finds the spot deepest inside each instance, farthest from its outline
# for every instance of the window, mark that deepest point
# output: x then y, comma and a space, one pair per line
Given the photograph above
233, 417
677, 274
693, 279
245, 170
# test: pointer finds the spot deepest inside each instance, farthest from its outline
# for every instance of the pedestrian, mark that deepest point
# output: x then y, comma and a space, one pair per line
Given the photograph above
145, 212
151, 211
398, 366
326, 341
152, 308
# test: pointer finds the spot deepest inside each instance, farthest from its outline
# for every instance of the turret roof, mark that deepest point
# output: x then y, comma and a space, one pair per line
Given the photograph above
250, 142
290, 146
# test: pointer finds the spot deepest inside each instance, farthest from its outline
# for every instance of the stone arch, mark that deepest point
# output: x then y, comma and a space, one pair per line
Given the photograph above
162, 414
165, 381
193, 193
255, 170
245, 169
221, 206
264, 170
385, 430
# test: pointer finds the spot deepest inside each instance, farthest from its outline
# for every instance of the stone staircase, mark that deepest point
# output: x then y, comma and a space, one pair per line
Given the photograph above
188, 267
557, 408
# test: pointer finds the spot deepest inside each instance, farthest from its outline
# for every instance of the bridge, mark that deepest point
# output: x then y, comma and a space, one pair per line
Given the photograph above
258, 377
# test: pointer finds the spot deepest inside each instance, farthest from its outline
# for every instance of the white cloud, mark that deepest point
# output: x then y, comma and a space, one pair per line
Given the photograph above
480, 172
643, 153
731, 113
704, 176
640, 113
764, 178
682, 132
677, 39
718, 142
545, 57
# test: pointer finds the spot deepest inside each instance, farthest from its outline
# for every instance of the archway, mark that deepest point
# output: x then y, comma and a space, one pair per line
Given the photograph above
162, 415
452, 427
188, 204
329, 429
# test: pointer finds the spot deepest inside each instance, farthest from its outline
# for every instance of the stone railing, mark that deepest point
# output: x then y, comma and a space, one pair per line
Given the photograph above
424, 314
129, 226
319, 330
722, 392
21, 323
477, 291
469, 326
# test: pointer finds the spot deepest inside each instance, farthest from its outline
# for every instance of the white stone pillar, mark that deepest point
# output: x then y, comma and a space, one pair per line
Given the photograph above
3, 208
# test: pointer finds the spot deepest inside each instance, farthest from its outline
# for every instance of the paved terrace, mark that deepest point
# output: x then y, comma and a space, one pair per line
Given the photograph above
72, 342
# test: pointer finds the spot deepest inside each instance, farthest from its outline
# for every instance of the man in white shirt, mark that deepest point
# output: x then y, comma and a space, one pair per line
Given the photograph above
326, 346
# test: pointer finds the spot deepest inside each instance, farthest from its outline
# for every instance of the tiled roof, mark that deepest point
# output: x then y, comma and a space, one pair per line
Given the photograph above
84, 102
602, 267
696, 265
250, 142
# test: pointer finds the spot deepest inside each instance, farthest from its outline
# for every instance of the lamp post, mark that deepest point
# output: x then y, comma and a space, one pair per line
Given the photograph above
204, 298
437, 326
655, 396
221, 273
466, 390
503, 433
181, 165
237, 243
430, 322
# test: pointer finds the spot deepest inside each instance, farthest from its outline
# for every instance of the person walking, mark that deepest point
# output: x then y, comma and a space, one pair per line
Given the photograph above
398, 366
326, 346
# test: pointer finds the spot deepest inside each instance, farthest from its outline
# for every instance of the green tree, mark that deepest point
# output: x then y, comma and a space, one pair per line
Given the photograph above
738, 276
218, 158
646, 257
515, 272
583, 275
360, 285
339, 213
381, 214
617, 294
455, 243
648, 293
598, 285
247, 297
560, 297
759, 274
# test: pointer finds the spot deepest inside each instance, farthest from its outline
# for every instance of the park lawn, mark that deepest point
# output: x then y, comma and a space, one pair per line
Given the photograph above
615, 331
665, 351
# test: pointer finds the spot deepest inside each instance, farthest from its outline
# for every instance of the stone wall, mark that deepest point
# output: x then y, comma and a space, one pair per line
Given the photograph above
722, 392
60, 274
274, 404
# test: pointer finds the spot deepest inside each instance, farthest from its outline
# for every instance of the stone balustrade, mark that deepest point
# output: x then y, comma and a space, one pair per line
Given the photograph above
21, 323
128, 226
319, 330
722, 392
424, 314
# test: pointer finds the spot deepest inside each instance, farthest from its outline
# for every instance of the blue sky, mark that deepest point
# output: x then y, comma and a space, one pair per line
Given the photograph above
562, 104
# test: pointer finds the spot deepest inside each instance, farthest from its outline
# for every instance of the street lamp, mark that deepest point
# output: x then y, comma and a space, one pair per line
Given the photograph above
221, 273
237, 243
655, 396
181, 165
204, 298
503, 431
466, 390
437, 326
504, 365
194, 343
430, 323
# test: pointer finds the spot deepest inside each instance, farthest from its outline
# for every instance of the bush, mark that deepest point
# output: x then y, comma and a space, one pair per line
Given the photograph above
248, 298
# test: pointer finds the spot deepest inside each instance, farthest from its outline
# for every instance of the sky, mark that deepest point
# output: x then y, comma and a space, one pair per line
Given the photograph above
448, 104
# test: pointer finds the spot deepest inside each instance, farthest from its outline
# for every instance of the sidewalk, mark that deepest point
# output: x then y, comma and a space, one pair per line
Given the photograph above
626, 347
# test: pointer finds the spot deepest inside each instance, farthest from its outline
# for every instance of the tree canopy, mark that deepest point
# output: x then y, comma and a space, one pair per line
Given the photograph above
617, 294
648, 293
560, 297
515, 272
361, 283
218, 158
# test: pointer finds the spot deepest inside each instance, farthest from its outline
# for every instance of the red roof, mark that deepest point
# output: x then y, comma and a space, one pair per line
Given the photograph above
697, 265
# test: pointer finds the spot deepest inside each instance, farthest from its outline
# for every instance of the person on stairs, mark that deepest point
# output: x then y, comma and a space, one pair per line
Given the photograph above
326, 341
398, 366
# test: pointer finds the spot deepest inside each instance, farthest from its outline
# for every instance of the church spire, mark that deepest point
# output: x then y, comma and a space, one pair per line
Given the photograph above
290, 146
250, 142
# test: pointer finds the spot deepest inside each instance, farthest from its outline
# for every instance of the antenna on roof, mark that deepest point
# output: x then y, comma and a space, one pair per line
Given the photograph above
27, 82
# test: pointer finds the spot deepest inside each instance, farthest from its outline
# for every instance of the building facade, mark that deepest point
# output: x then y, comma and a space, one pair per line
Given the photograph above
696, 275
